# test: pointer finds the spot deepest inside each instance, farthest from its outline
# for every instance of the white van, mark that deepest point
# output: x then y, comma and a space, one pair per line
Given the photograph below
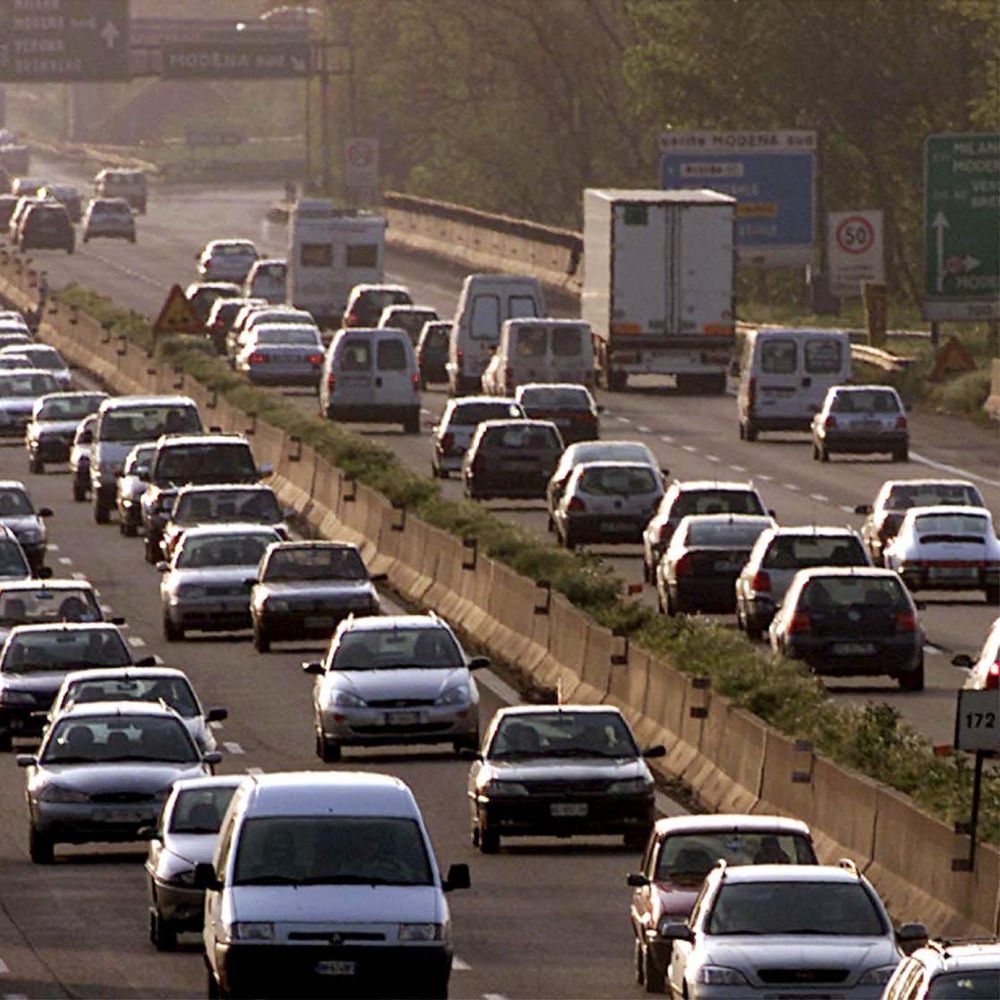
370, 375
544, 350
266, 280
784, 376
486, 301
323, 882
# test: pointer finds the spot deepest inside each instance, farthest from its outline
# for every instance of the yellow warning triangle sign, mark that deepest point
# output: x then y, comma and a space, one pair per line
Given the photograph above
177, 315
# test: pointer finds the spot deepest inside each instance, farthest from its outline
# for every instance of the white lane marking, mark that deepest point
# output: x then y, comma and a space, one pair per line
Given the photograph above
738, 468
502, 690
53, 547
953, 469
713, 458
819, 497
136, 641
255, 770
494, 996
78, 575
689, 447
458, 965
765, 477
624, 420
932, 650
65, 561
666, 439
15, 996
791, 486
846, 509
215, 724
642, 429
107, 609
234, 748
127, 270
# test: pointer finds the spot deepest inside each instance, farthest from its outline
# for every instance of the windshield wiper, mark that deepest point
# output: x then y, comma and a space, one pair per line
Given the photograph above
142, 758
69, 760
268, 880
584, 752
354, 880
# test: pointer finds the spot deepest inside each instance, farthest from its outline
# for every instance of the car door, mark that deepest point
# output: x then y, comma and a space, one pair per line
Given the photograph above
393, 371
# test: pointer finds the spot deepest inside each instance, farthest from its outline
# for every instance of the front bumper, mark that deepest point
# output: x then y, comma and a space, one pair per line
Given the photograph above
553, 815
385, 727
85, 822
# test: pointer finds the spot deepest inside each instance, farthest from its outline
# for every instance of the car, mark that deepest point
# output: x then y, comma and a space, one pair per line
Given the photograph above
205, 585
66, 195
266, 279
984, 671
20, 389
775, 558
8, 202
131, 485
185, 835
397, 679
24, 202
35, 660
251, 316
560, 771
896, 496
698, 571
570, 407
24, 185
13, 562
110, 218
681, 851
37, 602
156, 684
453, 433
227, 260
340, 857
542, 351
46, 225
947, 548
694, 496
861, 420
849, 621
366, 302
12, 334
607, 502
79, 458
130, 184
948, 968
766, 930
204, 294
432, 352
11, 320
18, 513
54, 420
222, 316
410, 318
11, 361
44, 358
92, 758
304, 589
281, 354
511, 458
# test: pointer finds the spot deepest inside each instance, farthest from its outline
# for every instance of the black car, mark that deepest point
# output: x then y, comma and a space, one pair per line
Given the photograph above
47, 226
570, 407
560, 771
432, 351
511, 458
366, 302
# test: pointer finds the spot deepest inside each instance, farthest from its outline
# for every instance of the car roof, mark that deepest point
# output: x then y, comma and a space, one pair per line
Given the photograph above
724, 518
200, 286
516, 422
510, 710
409, 307
79, 393
476, 400
51, 584
225, 488
12, 484
207, 781
380, 286
713, 484
321, 543
866, 571
965, 510
270, 260
813, 529
382, 623
959, 955
927, 481
730, 822
791, 873
228, 528
611, 463
182, 440
119, 708
582, 446
344, 793
123, 673
65, 627
116, 402
577, 386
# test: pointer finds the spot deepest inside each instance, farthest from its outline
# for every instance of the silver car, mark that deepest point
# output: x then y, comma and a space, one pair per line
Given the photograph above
38, 602
397, 679
207, 584
109, 217
281, 354
20, 389
132, 483
13, 562
54, 420
44, 358
18, 513
184, 837
861, 419
104, 771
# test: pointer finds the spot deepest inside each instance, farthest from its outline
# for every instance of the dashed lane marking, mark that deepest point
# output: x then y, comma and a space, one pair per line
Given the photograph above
65, 561
53, 547
953, 469
255, 770
642, 429
713, 458
3, 968
215, 724
666, 439
494, 996
738, 468
846, 509
136, 641
819, 498
765, 477
932, 650
459, 965
624, 420
78, 575
689, 448
791, 486
234, 748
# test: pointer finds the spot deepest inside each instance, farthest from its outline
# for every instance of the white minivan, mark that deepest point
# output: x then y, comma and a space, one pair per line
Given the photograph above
485, 303
540, 350
371, 375
325, 882
784, 376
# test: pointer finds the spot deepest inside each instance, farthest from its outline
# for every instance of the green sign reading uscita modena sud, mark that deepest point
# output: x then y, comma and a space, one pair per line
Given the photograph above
962, 226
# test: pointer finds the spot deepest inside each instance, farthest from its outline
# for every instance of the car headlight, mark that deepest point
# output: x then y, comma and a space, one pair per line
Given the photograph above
419, 932
631, 786
457, 695
183, 878
17, 698
720, 975
345, 699
270, 604
499, 789
57, 793
878, 976
190, 590
253, 930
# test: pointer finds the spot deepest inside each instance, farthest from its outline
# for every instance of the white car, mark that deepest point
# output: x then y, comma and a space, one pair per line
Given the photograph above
281, 354
861, 420
44, 358
266, 280
461, 417
227, 260
109, 217
947, 547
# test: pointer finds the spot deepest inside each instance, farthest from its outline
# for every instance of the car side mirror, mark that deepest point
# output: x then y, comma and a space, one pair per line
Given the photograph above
637, 880
665, 473
467, 753
146, 833
215, 429
378, 577
677, 932
457, 878
146, 661
44, 573
312, 667
910, 937
205, 877
250, 581
963, 660
162, 567
117, 620
26, 760
265, 469
479, 662
658, 751
212, 757
217, 714
863, 508
45, 512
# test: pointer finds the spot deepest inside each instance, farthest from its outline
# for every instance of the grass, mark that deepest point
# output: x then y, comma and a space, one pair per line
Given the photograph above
872, 739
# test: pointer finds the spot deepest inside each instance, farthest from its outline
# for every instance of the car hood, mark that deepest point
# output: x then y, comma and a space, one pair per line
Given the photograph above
210, 575
120, 776
61, 427
750, 953
8, 405
19, 523
568, 769
337, 904
316, 589
41, 682
196, 848
407, 682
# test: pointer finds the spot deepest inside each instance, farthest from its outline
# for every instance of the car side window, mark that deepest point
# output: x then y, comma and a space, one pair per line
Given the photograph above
485, 323
778, 357
390, 355
649, 858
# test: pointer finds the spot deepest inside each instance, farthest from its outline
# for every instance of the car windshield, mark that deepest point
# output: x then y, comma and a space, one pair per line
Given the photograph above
296, 338
68, 407
260, 506
26, 385
200, 810
396, 648
209, 462
203, 551
470, 414
315, 562
970, 984
612, 481
172, 689
951, 528
331, 850
803, 551
865, 401
717, 502
104, 739
904, 496
146, 423
833, 592
563, 734
768, 908
737, 534
12, 560
35, 607
64, 650
563, 398
688, 857
15, 503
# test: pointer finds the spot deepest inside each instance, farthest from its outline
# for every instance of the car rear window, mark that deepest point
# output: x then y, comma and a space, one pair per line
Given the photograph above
200, 810
356, 356
905, 495
561, 398
843, 591
823, 355
222, 550
69, 407
485, 321
950, 527
144, 423
14, 503
174, 690
617, 482
521, 305
803, 551
294, 338
865, 401
531, 342
319, 562
26, 386
390, 355
204, 463
688, 857
42, 605
259, 505
740, 536
567, 341
514, 438
362, 255
470, 414
64, 650
717, 502
778, 357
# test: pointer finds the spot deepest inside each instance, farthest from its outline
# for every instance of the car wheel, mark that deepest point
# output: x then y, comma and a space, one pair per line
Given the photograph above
753, 630
261, 640
40, 848
635, 840
569, 539
750, 432
5, 743
411, 425
102, 514
163, 935
127, 526
466, 743
151, 550
212, 990
993, 596
327, 751
913, 680
901, 455
36, 465
172, 632
653, 979
489, 839
79, 491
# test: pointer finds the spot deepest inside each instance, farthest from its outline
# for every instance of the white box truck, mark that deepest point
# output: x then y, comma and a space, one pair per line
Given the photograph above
658, 286
330, 250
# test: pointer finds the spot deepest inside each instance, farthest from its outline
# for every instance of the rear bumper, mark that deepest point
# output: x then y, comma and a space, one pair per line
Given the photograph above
864, 444
287, 376
891, 657
373, 414
762, 422
606, 528
312, 624
925, 578
713, 594
509, 485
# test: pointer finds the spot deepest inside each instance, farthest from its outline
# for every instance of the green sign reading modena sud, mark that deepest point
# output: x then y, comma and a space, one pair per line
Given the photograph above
962, 226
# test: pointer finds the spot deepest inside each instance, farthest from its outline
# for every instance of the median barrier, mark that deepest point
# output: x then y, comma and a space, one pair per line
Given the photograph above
844, 807
727, 771
597, 665
662, 708
474, 616
628, 687
559, 669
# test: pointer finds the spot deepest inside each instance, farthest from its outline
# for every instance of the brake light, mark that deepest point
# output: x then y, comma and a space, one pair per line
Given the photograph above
415, 380
575, 503
460, 356
993, 676
331, 381
900, 423
684, 566
830, 422
906, 621
315, 359
801, 622
352, 318
219, 325
752, 393
257, 358
761, 582
447, 441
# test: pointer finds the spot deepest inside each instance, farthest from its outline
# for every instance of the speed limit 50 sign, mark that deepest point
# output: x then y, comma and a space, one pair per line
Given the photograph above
855, 251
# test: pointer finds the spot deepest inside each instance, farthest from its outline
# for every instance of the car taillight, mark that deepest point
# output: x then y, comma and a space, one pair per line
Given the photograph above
752, 393
219, 325
447, 441
993, 676
666, 530
352, 318
415, 380
801, 622
257, 358
460, 357
900, 423
830, 423
684, 566
761, 581
331, 381
575, 503
315, 359
906, 621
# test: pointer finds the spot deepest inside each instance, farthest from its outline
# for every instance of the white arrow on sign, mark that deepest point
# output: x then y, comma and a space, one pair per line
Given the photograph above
939, 225
110, 34
970, 263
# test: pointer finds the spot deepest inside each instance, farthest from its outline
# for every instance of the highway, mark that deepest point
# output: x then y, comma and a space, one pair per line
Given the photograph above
695, 437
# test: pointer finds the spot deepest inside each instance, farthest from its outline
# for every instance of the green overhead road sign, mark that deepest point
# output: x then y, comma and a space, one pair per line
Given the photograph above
962, 226
225, 60
63, 40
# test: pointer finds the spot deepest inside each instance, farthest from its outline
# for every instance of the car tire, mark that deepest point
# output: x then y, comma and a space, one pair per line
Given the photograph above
569, 539
750, 432
653, 979
636, 840
993, 596
327, 751
466, 743
127, 526
753, 630
212, 990
36, 465
638, 963
261, 640
151, 551
411, 424
102, 513
913, 680
901, 455
40, 847
79, 492
172, 632
489, 839
5, 742
162, 935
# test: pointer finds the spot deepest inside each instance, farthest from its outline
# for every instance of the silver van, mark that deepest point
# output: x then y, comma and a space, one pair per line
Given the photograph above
325, 882
784, 376
544, 350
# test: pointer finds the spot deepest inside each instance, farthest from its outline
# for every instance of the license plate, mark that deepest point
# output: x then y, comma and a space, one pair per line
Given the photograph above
613, 526
319, 621
951, 573
355, 381
725, 566
333, 968
402, 718
121, 816
566, 809
853, 648
867, 426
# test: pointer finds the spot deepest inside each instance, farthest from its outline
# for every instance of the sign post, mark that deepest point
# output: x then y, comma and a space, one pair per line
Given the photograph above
977, 729
361, 165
